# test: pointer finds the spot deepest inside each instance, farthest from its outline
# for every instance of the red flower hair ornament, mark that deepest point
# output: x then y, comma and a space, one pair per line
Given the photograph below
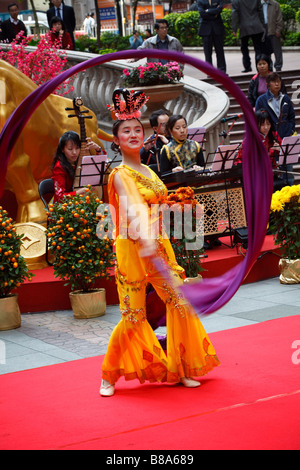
129, 107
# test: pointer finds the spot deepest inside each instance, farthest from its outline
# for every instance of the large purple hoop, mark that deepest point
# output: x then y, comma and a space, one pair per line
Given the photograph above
210, 294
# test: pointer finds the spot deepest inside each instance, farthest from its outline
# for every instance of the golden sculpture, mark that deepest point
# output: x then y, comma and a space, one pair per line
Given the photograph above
32, 155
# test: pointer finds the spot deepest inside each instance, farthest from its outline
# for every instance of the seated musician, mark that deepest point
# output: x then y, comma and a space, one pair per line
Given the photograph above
270, 138
153, 144
180, 153
64, 164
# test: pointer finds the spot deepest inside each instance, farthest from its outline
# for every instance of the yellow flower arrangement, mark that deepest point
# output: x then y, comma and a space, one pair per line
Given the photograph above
284, 221
181, 200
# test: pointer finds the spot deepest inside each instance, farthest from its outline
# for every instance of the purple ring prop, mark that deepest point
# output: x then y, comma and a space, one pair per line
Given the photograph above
208, 295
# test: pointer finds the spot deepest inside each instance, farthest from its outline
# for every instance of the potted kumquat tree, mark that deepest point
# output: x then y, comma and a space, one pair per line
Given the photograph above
78, 239
13, 272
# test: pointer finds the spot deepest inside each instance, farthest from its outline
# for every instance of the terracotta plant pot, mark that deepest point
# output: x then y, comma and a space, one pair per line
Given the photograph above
158, 95
289, 271
88, 304
10, 316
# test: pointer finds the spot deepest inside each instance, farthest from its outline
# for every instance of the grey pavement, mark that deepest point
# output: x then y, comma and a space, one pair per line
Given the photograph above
233, 56
48, 338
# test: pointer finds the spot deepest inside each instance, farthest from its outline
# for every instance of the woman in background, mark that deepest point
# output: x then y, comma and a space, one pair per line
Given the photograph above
64, 164
269, 136
258, 83
58, 34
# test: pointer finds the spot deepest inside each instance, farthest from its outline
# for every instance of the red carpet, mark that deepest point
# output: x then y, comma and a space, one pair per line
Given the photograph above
46, 293
251, 401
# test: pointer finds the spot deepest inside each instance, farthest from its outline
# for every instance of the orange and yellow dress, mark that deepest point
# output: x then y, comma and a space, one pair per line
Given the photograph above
134, 350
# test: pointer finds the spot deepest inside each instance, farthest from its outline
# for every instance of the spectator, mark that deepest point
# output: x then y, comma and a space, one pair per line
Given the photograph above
161, 41
281, 111
211, 29
258, 83
148, 33
93, 24
66, 13
58, 35
278, 105
247, 16
87, 25
13, 26
135, 40
273, 27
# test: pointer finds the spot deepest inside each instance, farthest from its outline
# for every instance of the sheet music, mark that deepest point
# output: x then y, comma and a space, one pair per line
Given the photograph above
224, 157
196, 133
92, 169
289, 149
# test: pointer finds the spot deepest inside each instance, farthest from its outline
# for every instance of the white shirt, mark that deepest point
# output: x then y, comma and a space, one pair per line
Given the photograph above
60, 11
265, 10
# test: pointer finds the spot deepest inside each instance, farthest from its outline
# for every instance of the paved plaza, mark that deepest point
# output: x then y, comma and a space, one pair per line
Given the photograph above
54, 337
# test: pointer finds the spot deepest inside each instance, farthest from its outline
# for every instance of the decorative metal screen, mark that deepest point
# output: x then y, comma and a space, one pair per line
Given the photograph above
224, 210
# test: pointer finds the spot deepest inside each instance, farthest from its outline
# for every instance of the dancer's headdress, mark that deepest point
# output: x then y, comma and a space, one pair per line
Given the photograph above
129, 107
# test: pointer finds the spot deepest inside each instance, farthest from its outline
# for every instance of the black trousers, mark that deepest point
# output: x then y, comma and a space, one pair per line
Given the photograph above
258, 47
216, 40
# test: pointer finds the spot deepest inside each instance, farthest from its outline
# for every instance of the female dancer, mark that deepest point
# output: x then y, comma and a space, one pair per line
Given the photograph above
134, 351
64, 164
180, 153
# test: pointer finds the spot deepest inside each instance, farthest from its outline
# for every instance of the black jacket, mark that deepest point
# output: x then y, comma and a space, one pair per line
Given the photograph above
8, 31
210, 17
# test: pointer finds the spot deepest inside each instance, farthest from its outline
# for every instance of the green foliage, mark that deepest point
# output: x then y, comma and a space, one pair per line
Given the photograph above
79, 241
186, 28
109, 42
293, 3
292, 39
288, 16
229, 39
13, 267
171, 19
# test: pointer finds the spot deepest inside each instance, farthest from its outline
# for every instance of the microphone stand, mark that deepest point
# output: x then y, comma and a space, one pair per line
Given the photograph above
225, 134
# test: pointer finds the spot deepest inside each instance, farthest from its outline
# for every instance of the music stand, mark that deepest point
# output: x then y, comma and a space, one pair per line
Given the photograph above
224, 157
289, 150
92, 170
197, 134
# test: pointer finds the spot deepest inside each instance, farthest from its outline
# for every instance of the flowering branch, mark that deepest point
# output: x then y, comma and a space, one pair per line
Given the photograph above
46, 62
